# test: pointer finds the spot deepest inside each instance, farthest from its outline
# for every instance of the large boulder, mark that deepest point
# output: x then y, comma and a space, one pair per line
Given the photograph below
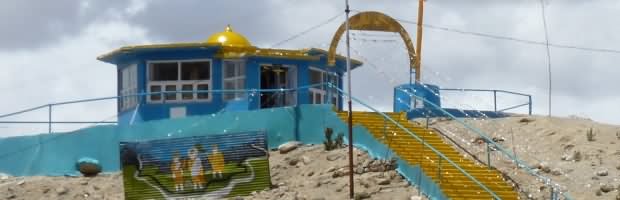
88, 166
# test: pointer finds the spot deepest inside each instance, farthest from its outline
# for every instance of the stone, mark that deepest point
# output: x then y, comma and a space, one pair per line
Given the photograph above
310, 173
340, 173
382, 181
333, 157
599, 193
556, 172
288, 147
602, 172
4, 176
11, 196
331, 169
293, 161
415, 197
61, 190
526, 120
84, 182
88, 166
306, 160
543, 167
21, 182
607, 188
359, 169
318, 198
361, 195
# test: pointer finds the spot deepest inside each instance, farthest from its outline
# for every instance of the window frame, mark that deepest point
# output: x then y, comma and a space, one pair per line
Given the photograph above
131, 71
179, 83
235, 78
323, 91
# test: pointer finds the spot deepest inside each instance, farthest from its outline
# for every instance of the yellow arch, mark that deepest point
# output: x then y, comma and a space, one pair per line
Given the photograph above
374, 21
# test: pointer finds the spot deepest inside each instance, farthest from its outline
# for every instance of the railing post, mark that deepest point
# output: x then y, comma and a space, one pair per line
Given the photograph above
426, 121
495, 100
49, 118
421, 163
439, 169
488, 155
530, 104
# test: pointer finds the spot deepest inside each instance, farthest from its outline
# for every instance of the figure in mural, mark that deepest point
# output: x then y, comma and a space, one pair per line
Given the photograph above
217, 162
195, 164
177, 171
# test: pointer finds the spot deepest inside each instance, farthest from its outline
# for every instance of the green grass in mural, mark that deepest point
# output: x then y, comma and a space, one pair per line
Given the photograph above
136, 189
262, 179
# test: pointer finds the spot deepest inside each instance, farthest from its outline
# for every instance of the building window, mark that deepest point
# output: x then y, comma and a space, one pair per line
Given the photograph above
323, 94
184, 80
233, 79
128, 86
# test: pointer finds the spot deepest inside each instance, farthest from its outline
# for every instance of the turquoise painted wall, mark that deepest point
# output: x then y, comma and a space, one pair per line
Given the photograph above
56, 154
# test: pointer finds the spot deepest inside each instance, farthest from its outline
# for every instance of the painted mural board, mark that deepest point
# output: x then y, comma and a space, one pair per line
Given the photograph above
200, 167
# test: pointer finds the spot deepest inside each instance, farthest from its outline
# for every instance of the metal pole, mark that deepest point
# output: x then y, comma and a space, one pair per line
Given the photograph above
419, 41
544, 19
49, 117
488, 155
351, 188
530, 107
495, 100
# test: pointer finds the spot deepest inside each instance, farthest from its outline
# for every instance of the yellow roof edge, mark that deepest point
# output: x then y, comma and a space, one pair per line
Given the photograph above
338, 56
203, 44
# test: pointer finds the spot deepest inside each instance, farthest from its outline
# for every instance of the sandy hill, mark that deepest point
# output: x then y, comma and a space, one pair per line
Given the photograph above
580, 155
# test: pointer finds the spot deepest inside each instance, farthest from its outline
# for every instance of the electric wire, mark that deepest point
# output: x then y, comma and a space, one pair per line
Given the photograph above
513, 39
312, 28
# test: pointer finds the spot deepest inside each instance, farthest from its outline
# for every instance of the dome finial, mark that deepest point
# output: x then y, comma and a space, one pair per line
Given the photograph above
228, 38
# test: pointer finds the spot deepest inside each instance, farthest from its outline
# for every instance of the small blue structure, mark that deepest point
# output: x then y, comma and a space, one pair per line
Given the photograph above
183, 76
404, 101
428, 103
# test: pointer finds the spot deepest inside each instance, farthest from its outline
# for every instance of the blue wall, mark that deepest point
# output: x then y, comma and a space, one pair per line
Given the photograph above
156, 111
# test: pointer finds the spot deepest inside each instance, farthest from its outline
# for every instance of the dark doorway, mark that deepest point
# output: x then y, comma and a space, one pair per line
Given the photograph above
273, 77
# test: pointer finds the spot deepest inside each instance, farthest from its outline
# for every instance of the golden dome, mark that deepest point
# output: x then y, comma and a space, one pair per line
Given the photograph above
229, 38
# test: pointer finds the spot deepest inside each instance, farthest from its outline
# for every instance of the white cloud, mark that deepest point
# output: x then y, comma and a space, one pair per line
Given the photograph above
585, 83
65, 71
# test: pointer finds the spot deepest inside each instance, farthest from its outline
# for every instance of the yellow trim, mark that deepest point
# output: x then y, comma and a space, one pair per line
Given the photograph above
374, 21
231, 51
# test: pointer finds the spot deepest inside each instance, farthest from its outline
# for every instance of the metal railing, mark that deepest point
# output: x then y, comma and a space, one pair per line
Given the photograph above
555, 191
529, 103
50, 106
440, 155
480, 133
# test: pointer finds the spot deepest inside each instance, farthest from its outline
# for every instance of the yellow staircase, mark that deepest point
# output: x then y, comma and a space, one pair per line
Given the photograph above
451, 181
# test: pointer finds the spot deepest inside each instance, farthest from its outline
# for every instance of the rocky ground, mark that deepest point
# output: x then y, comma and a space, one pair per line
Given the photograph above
314, 174
579, 155
307, 172
38, 188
